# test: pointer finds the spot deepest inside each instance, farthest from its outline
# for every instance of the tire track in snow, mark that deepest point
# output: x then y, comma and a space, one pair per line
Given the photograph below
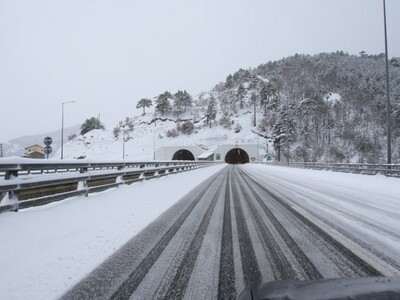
364, 268
383, 257
135, 278
251, 271
281, 267
308, 267
177, 287
226, 284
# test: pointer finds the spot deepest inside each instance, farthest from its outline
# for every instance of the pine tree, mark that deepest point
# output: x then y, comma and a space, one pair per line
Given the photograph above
211, 113
187, 100
178, 103
240, 94
229, 82
266, 94
253, 99
143, 103
163, 104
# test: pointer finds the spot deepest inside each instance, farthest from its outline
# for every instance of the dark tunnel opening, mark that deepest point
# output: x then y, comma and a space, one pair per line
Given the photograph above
237, 156
183, 154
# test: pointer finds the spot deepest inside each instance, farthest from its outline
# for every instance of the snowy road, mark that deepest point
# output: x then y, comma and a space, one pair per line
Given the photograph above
253, 223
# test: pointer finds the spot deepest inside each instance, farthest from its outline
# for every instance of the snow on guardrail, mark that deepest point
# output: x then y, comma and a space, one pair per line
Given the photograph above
392, 170
27, 183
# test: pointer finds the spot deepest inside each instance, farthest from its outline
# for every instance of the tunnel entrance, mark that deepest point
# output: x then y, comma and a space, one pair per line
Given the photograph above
183, 154
237, 156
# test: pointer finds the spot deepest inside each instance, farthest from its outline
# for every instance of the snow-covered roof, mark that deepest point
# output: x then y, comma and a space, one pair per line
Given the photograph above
34, 146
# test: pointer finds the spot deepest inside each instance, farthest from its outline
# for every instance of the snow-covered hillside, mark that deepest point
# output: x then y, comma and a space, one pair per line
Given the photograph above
328, 107
149, 135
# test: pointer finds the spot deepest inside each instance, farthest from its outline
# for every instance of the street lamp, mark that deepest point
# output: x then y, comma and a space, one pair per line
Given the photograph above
123, 144
62, 126
389, 151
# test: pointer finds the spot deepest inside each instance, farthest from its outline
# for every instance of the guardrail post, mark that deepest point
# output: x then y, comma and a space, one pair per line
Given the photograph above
11, 198
120, 179
83, 186
10, 174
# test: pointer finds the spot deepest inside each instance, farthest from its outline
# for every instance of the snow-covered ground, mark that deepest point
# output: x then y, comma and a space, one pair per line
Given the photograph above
47, 249
368, 206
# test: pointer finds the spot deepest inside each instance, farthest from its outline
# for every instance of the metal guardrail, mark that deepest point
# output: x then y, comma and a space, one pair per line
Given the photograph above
14, 169
392, 170
32, 184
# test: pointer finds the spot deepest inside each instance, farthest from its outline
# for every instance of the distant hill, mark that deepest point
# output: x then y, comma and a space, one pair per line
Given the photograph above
16, 147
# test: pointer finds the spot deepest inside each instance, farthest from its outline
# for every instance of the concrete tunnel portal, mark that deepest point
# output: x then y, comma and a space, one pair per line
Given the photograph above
237, 156
183, 154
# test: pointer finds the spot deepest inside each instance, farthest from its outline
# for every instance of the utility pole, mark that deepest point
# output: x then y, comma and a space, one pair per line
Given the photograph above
123, 144
62, 126
389, 151
154, 146
1, 150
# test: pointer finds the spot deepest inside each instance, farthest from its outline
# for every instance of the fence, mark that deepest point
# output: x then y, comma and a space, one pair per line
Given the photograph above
32, 184
392, 170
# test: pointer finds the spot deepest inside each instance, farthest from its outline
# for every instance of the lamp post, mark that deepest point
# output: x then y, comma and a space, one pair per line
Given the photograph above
62, 126
389, 151
123, 144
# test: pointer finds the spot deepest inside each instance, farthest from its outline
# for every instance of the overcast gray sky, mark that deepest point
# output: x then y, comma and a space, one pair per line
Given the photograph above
106, 55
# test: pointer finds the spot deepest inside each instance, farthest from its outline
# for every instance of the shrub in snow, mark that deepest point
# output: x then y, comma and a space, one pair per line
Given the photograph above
225, 121
90, 124
187, 127
172, 133
126, 127
300, 154
335, 155
71, 137
116, 131
237, 128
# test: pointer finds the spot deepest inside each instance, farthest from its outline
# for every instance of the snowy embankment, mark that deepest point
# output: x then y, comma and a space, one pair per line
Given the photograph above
47, 249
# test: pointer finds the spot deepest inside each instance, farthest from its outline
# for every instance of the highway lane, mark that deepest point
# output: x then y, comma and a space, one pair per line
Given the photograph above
238, 228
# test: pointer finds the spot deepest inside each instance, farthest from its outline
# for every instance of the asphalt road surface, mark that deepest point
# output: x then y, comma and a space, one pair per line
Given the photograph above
234, 230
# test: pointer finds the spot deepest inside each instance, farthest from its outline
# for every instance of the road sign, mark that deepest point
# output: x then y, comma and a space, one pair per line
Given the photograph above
47, 141
47, 150
218, 156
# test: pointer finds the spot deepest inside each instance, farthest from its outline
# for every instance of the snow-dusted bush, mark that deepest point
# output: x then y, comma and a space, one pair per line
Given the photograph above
116, 131
90, 124
237, 128
125, 127
72, 136
172, 133
187, 127
225, 121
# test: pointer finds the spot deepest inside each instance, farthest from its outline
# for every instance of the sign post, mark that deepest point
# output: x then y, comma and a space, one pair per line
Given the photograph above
48, 149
